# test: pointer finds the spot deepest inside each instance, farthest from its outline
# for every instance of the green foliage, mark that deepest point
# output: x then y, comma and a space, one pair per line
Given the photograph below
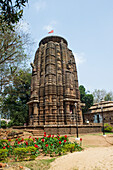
3, 124
85, 98
100, 95
71, 147
3, 154
82, 92
10, 124
17, 95
28, 139
12, 54
109, 96
25, 153
3, 142
107, 128
11, 12
28, 149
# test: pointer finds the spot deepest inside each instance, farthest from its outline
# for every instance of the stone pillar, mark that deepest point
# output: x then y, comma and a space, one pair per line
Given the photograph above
30, 113
67, 104
41, 115
35, 114
80, 119
46, 108
61, 110
54, 110
74, 121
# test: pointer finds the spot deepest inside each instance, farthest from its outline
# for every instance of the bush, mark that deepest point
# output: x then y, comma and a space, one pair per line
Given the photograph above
20, 149
10, 124
72, 147
23, 153
3, 154
3, 142
3, 124
108, 128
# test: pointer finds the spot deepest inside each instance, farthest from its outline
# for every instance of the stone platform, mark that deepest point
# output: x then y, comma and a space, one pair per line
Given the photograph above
60, 129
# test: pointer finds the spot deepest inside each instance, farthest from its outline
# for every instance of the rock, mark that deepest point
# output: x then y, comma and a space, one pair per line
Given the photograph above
12, 133
21, 167
2, 165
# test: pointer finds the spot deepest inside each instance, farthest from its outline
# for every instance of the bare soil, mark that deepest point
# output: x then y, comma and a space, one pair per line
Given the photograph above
97, 155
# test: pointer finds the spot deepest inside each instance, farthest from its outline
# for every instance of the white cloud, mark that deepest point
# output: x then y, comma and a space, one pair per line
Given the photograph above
50, 26
79, 58
39, 5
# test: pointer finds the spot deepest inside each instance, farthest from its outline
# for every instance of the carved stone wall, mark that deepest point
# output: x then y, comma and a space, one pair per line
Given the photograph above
54, 85
100, 111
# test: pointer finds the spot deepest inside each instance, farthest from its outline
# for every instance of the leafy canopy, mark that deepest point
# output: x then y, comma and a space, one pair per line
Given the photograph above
16, 97
12, 54
85, 98
11, 11
102, 95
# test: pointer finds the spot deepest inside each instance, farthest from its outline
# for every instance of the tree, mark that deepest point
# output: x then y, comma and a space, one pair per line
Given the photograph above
102, 95
99, 95
16, 97
82, 92
12, 54
11, 11
3, 124
85, 98
109, 96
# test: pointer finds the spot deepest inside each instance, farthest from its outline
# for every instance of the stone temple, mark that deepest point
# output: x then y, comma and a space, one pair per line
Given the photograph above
55, 97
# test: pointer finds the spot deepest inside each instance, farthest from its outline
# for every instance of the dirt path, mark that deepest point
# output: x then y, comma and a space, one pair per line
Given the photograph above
97, 156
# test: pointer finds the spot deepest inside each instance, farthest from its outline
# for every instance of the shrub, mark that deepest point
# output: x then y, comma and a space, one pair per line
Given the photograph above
3, 154
28, 149
108, 128
3, 142
23, 153
3, 124
71, 147
10, 124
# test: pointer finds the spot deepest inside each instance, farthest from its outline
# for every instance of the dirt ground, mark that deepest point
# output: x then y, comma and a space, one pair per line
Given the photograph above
97, 155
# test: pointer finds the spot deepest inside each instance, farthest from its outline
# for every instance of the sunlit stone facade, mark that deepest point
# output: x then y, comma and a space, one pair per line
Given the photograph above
54, 85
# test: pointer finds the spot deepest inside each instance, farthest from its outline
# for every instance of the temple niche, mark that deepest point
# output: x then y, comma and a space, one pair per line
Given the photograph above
54, 85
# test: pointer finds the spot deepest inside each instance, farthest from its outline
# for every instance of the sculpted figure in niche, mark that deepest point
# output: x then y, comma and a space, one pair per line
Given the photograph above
58, 56
58, 65
69, 65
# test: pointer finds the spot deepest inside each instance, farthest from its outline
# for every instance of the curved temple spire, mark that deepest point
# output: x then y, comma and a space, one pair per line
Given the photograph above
54, 85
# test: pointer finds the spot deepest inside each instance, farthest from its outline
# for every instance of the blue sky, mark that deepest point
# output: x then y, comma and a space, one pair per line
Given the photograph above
87, 25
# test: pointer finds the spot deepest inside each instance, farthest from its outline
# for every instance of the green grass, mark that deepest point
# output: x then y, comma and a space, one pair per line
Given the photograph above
36, 164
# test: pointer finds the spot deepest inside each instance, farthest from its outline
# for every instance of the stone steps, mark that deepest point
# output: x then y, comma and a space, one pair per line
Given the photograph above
36, 132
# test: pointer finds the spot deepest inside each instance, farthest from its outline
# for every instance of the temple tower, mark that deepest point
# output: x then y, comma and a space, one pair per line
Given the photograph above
54, 85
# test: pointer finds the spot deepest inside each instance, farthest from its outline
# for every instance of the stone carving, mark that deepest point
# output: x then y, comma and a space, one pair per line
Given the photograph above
54, 85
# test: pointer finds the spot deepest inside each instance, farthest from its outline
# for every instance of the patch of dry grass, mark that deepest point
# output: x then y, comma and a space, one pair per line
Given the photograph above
36, 164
